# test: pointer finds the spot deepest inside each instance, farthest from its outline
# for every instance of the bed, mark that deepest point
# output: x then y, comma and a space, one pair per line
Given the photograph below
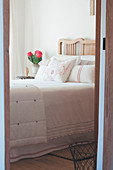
48, 116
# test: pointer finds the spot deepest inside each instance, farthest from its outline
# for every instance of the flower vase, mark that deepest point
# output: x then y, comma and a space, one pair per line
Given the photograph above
35, 68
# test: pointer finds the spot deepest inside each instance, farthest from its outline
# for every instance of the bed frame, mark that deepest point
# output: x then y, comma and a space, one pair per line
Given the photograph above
78, 46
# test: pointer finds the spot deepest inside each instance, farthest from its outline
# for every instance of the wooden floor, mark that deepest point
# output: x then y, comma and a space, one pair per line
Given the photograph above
46, 162
49, 162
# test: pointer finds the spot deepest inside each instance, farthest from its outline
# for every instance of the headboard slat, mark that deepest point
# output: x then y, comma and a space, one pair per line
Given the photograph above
77, 47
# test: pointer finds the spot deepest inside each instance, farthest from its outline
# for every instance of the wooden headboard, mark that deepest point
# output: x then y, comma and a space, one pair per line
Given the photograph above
76, 47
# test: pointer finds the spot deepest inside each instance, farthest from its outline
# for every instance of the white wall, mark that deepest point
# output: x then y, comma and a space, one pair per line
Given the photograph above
21, 31
43, 22
17, 38
55, 19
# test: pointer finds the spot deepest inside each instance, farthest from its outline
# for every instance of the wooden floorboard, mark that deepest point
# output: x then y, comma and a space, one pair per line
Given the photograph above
43, 163
50, 162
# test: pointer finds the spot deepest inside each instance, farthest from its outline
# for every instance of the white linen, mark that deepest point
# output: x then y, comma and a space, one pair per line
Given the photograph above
69, 111
27, 115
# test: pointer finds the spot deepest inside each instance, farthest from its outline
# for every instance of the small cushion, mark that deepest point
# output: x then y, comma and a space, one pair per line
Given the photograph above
82, 74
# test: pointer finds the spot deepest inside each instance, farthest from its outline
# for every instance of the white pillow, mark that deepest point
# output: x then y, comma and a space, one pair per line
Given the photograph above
87, 60
82, 74
56, 70
39, 75
80, 60
45, 62
67, 57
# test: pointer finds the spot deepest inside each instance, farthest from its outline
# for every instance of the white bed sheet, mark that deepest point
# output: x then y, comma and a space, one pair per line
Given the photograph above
48, 84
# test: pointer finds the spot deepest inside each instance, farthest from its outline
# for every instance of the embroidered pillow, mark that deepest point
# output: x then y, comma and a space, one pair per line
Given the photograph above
58, 71
87, 60
55, 71
82, 74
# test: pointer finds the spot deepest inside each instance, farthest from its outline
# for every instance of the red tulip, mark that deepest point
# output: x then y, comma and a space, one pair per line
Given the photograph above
29, 54
38, 54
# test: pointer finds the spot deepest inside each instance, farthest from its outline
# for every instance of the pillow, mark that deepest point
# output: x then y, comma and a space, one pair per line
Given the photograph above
56, 70
67, 57
82, 74
45, 62
39, 75
87, 60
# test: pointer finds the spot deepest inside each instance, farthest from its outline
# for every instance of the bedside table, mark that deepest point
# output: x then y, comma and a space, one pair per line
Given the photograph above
25, 77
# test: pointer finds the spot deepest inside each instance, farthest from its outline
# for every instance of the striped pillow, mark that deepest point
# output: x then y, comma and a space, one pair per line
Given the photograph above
87, 60
82, 74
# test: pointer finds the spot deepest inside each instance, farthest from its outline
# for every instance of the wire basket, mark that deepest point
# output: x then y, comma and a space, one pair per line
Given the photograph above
83, 155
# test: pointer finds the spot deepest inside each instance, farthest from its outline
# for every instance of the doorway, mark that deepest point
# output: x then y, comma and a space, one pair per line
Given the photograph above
97, 81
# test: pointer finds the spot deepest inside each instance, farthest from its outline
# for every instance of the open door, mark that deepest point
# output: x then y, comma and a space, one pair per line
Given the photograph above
101, 85
105, 141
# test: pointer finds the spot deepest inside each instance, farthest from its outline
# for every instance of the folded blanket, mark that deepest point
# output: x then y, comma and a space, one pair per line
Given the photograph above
27, 115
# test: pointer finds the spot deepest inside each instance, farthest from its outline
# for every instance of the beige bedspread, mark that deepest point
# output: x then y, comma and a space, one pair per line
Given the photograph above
64, 108
27, 115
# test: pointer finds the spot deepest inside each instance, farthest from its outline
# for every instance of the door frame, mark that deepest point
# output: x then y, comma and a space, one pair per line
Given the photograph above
108, 112
97, 63
6, 13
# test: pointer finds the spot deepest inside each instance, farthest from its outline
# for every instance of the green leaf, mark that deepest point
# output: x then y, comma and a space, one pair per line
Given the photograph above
34, 59
30, 58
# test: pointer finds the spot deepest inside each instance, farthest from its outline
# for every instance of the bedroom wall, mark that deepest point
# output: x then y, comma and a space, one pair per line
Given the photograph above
46, 21
17, 38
